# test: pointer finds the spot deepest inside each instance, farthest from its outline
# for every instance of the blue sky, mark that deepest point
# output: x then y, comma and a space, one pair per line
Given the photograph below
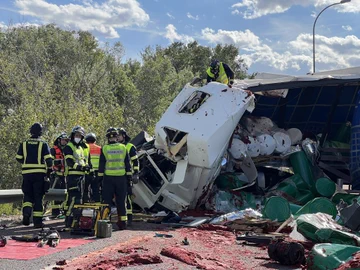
272, 35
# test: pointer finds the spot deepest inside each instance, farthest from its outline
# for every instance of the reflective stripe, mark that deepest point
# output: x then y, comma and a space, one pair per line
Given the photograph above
128, 173
68, 213
101, 174
48, 156
115, 160
27, 204
19, 157
24, 151
115, 168
33, 166
39, 152
129, 205
134, 157
123, 218
33, 171
37, 214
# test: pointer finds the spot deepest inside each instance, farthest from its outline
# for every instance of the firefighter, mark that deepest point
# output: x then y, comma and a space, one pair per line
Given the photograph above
58, 181
220, 72
135, 168
76, 166
92, 179
115, 166
34, 155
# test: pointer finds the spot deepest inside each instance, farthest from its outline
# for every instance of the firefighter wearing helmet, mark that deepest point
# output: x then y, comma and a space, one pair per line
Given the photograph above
59, 179
77, 160
115, 167
35, 158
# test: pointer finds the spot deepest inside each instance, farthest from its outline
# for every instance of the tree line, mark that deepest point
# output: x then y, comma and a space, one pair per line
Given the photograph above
64, 78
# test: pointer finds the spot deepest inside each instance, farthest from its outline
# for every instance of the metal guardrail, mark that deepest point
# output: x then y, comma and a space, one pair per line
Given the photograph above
16, 195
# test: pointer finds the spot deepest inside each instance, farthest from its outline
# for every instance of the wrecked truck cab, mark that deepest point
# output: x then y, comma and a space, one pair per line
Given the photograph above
191, 139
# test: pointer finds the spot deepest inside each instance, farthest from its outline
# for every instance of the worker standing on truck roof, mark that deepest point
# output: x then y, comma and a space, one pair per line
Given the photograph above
135, 168
59, 179
115, 166
77, 163
220, 72
34, 155
92, 181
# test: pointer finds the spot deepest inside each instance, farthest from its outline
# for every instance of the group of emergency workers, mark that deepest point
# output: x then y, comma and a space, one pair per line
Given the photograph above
90, 173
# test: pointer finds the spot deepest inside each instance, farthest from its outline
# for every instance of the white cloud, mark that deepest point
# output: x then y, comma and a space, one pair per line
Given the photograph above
347, 27
257, 8
101, 18
170, 16
172, 35
238, 38
334, 52
192, 17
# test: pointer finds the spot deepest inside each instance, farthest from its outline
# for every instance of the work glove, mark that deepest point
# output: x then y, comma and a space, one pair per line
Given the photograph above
230, 84
135, 178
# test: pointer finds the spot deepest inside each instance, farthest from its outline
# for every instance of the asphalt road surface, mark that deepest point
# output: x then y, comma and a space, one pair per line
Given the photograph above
138, 248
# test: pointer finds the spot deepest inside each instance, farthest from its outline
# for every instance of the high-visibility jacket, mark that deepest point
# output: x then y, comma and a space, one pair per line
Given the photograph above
59, 160
95, 152
34, 155
76, 155
114, 160
131, 150
222, 77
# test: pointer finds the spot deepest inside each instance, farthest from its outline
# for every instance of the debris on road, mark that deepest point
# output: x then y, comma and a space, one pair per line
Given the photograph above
192, 258
287, 253
128, 260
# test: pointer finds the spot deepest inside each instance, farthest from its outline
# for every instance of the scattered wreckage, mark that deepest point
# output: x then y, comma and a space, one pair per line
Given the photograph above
261, 130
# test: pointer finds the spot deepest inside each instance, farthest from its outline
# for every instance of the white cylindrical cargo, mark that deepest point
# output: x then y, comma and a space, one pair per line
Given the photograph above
295, 135
253, 147
238, 148
267, 144
283, 142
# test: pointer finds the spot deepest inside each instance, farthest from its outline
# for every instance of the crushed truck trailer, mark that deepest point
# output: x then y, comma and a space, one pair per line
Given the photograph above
199, 134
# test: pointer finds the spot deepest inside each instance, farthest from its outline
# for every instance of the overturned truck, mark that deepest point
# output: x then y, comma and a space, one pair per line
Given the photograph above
202, 133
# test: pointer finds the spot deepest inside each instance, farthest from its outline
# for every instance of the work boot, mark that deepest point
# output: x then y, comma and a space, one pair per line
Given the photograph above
121, 225
129, 220
26, 220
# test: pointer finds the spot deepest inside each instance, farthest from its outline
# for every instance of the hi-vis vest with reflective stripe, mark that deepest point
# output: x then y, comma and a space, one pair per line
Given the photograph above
115, 159
79, 158
222, 78
132, 158
95, 152
34, 166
